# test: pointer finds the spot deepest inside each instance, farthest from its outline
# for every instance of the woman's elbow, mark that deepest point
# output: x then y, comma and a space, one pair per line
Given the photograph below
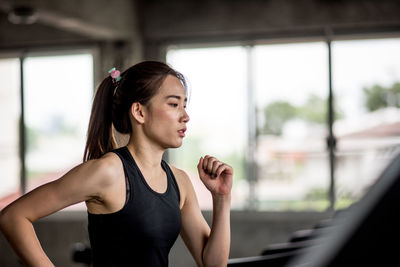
8, 218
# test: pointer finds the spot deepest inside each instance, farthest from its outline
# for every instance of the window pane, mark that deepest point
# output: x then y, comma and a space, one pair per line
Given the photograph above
217, 110
57, 106
291, 84
366, 80
10, 113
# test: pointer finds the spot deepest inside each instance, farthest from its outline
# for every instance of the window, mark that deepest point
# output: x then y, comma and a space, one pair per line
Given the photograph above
57, 103
291, 84
271, 102
367, 89
58, 93
10, 113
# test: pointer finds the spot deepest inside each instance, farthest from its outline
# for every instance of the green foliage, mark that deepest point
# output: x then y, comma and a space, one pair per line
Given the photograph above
314, 110
316, 199
276, 114
377, 96
317, 194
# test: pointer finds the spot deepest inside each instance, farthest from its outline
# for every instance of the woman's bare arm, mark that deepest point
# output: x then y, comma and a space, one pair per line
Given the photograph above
80, 184
195, 230
209, 247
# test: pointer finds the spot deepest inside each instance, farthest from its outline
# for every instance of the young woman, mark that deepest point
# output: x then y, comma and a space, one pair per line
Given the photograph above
137, 203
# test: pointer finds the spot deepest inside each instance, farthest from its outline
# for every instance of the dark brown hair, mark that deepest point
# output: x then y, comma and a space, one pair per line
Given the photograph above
113, 100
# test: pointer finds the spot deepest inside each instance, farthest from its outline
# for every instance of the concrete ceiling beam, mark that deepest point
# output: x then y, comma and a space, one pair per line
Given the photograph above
95, 19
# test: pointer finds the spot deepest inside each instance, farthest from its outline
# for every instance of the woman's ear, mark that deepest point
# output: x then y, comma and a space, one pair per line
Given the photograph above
138, 112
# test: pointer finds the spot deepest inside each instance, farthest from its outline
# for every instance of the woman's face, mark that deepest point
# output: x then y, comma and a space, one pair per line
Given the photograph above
166, 114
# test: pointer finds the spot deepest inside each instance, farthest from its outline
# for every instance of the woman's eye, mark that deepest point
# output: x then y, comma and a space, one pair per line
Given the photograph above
173, 105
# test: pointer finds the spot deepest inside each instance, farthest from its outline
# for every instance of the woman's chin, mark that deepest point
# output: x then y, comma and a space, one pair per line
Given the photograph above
176, 145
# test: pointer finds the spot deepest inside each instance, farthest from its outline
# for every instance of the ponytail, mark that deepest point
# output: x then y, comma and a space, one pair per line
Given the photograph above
100, 137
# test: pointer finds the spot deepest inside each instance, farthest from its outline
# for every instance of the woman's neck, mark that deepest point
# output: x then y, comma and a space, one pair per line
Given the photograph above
146, 155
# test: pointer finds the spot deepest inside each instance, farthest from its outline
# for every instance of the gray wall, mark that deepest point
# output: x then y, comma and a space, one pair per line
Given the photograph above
251, 233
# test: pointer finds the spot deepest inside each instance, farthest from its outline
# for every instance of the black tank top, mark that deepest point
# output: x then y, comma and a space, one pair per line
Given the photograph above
144, 230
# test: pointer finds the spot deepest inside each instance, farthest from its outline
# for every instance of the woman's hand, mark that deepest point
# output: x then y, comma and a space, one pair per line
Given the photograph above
216, 175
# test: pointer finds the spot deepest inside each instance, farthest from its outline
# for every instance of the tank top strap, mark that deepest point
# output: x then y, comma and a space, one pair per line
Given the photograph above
122, 154
171, 178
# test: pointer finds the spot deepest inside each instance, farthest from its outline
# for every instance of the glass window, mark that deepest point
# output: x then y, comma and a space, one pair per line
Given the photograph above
217, 110
291, 90
10, 113
289, 84
366, 81
58, 94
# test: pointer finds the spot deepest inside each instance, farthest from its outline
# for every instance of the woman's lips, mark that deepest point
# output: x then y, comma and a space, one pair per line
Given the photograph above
182, 132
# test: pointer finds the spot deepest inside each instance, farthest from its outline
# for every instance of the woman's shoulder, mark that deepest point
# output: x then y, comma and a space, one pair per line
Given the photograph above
183, 181
111, 165
182, 178
105, 169
179, 174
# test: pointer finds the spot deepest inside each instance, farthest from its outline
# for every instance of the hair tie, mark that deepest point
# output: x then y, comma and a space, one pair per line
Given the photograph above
116, 77
115, 74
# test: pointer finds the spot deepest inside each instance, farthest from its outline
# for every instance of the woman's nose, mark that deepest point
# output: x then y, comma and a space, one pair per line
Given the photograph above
185, 117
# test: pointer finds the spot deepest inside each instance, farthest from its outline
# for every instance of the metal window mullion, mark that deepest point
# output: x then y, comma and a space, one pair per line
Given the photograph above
331, 140
251, 118
22, 130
